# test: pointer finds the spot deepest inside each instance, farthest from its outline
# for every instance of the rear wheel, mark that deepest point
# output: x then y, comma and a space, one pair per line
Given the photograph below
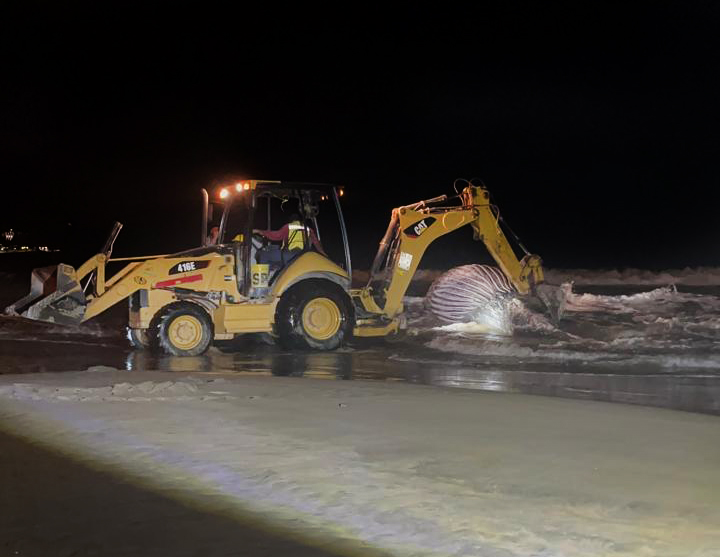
181, 329
314, 314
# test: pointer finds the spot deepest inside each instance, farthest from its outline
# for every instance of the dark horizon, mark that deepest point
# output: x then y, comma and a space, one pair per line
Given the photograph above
595, 129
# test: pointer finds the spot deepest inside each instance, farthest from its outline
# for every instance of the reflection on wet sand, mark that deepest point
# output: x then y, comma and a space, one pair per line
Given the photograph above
696, 392
29, 347
682, 391
256, 360
42, 349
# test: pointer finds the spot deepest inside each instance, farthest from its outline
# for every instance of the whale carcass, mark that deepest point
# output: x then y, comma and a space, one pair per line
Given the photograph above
479, 294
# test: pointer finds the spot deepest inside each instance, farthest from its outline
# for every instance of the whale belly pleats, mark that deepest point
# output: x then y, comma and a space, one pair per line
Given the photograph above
465, 292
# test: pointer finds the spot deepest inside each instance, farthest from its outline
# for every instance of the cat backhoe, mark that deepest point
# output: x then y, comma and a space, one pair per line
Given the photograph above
242, 279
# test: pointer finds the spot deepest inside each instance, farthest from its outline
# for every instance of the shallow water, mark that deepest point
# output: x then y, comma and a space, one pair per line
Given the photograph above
640, 345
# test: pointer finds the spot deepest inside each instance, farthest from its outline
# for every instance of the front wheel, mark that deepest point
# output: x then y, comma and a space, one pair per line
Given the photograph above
314, 314
138, 338
181, 329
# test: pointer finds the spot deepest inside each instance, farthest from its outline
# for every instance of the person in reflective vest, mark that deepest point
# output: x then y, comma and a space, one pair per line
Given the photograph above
293, 237
295, 234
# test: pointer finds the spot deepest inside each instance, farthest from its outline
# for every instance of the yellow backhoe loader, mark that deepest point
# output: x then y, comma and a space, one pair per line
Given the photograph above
248, 276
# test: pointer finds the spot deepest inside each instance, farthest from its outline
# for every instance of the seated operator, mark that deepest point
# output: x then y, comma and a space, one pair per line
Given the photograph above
213, 236
292, 235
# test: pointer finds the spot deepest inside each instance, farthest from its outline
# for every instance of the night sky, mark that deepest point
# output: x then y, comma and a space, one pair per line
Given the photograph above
594, 126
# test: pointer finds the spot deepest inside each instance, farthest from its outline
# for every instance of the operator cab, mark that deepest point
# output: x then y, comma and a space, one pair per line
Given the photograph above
268, 225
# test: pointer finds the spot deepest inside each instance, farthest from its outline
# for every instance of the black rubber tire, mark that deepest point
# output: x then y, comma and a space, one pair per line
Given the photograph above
138, 338
289, 328
158, 331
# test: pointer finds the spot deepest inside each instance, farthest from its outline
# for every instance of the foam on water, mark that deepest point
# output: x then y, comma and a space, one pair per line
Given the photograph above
689, 276
661, 328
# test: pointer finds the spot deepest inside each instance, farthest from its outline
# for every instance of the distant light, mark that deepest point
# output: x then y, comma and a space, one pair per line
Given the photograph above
246, 186
224, 193
238, 187
342, 192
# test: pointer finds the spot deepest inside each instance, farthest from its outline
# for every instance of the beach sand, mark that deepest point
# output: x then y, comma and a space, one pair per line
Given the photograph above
106, 462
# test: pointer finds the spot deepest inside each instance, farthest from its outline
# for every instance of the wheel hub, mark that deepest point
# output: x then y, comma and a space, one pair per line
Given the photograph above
321, 318
185, 332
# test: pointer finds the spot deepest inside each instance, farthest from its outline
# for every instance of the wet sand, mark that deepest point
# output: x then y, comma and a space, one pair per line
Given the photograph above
31, 347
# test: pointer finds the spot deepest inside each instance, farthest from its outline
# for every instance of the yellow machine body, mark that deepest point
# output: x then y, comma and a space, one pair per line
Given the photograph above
209, 281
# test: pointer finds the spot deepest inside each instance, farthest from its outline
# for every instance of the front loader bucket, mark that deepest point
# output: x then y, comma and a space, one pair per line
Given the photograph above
55, 296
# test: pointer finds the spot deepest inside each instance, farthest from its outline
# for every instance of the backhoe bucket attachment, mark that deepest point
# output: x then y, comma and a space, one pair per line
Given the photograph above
55, 296
553, 299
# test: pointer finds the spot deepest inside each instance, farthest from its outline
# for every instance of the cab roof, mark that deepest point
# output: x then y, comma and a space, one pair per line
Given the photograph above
276, 186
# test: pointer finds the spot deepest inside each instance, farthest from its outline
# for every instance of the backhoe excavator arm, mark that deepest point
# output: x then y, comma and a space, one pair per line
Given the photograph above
414, 227
524, 273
